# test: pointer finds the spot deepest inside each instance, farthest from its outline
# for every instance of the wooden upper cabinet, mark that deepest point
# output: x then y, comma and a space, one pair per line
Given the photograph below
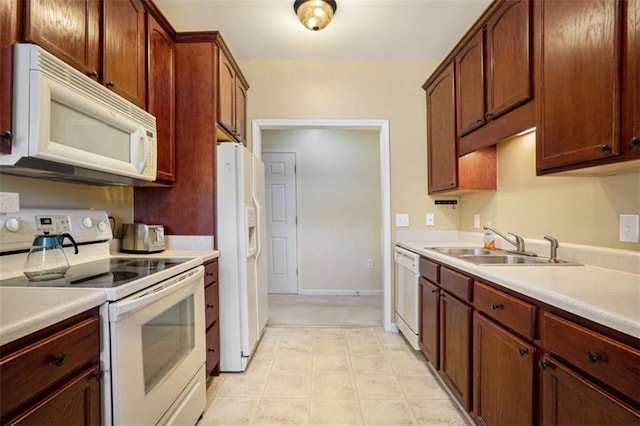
8, 35
161, 96
70, 29
578, 60
226, 93
442, 161
240, 111
125, 49
470, 102
509, 52
631, 83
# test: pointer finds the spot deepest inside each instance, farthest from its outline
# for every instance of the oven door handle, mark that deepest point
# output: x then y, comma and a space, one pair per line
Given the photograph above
118, 309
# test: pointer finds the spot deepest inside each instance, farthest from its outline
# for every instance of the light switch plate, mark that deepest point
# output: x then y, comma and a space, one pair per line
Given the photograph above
476, 220
402, 220
431, 219
9, 202
629, 224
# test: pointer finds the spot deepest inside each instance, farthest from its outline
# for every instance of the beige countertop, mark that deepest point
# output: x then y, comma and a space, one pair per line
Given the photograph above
605, 296
24, 310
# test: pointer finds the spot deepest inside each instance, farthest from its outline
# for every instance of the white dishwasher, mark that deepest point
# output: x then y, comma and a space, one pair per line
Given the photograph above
407, 296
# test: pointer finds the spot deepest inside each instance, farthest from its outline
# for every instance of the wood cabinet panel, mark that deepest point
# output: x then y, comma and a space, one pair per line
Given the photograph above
631, 83
455, 347
36, 367
503, 376
240, 112
210, 272
9, 29
70, 29
212, 306
510, 311
442, 163
213, 350
124, 63
456, 283
509, 53
429, 332
612, 362
578, 64
470, 100
569, 399
430, 270
226, 93
161, 96
74, 403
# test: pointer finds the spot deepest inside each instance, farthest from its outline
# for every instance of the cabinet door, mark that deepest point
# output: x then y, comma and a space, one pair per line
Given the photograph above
240, 112
631, 89
455, 347
441, 133
470, 103
161, 100
429, 310
213, 350
125, 49
226, 94
509, 67
579, 62
70, 29
8, 35
75, 403
569, 399
503, 367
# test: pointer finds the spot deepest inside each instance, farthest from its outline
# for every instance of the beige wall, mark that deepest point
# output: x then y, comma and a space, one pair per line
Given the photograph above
116, 200
580, 210
380, 90
340, 206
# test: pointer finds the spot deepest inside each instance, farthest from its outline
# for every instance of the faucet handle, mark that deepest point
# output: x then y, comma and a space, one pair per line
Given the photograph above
519, 241
554, 241
554, 248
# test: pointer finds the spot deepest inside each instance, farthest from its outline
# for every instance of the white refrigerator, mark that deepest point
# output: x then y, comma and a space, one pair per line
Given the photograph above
243, 256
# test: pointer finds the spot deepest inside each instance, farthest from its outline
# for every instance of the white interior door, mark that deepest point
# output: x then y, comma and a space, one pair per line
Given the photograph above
281, 212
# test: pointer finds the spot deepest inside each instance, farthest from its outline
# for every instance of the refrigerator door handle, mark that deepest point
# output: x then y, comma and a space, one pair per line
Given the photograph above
258, 212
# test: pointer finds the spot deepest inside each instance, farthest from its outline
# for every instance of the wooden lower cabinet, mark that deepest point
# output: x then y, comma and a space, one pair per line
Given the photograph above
503, 375
429, 311
212, 315
570, 399
455, 347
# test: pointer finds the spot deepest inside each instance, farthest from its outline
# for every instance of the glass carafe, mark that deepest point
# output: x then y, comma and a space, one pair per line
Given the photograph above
46, 259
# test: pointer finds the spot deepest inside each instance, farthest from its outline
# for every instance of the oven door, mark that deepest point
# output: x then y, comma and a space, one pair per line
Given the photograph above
157, 347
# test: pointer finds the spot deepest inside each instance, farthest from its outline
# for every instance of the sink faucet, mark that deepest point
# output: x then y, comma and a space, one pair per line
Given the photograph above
554, 248
517, 241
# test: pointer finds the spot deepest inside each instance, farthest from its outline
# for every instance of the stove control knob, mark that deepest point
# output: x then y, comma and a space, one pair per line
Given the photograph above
102, 226
12, 224
87, 222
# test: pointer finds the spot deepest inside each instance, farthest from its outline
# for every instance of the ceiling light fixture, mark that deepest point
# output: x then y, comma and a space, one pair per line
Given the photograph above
315, 14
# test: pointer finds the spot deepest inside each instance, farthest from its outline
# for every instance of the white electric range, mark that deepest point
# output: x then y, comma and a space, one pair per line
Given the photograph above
153, 336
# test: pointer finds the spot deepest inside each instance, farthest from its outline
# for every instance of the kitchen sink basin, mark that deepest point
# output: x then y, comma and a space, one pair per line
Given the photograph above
506, 259
463, 251
481, 256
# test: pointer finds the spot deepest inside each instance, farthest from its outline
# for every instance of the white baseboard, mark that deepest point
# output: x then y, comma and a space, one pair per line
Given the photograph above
312, 292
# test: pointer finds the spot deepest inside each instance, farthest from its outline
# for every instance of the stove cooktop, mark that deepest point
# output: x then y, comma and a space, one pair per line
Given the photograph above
106, 273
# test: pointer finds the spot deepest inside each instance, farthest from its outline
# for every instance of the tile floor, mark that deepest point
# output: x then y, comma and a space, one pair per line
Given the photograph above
330, 376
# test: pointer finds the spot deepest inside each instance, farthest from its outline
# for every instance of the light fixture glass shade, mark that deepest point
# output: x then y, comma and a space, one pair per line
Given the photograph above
315, 14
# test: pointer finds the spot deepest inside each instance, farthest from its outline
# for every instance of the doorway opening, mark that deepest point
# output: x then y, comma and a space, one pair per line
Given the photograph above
381, 129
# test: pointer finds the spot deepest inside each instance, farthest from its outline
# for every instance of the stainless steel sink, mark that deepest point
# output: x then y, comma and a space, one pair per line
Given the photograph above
480, 256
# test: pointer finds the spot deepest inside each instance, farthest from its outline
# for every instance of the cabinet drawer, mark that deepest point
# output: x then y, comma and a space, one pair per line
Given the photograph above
510, 311
212, 308
210, 272
38, 366
610, 361
430, 270
456, 283
213, 347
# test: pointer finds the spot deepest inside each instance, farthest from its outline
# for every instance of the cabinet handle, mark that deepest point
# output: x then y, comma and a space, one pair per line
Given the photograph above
605, 148
591, 357
110, 84
210, 306
6, 134
59, 359
210, 350
209, 274
635, 141
495, 306
544, 364
99, 375
487, 115
434, 291
479, 120
93, 74
523, 351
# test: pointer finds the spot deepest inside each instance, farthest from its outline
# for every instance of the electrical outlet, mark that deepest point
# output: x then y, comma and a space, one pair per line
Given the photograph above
369, 263
402, 220
629, 228
476, 220
431, 220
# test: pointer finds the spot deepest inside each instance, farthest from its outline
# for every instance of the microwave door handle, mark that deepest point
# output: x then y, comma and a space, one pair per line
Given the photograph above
145, 157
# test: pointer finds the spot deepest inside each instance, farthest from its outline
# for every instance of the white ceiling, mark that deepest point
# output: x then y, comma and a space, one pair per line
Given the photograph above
360, 30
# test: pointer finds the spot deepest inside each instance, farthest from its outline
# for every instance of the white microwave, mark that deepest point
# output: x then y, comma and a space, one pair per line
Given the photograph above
69, 127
